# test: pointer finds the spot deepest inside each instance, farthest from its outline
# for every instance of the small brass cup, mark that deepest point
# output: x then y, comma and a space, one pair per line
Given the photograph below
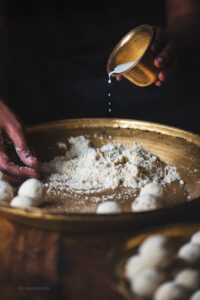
134, 46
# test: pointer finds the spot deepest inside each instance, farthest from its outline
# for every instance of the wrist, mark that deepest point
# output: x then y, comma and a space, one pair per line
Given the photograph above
184, 31
187, 25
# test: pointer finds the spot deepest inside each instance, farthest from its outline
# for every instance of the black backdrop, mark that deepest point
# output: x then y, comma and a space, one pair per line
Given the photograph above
58, 55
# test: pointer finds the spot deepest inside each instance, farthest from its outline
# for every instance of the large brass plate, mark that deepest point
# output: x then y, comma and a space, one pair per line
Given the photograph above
176, 146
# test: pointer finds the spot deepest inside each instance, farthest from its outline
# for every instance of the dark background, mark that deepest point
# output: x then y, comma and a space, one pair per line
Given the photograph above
58, 56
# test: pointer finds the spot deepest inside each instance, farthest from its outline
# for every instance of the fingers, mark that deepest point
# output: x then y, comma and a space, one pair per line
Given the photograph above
166, 61
27, 157
165, 56
168, 65
13, 180
167, 71
158, 83
12, 170
16, 133
24, 172
119, 77
159, 40
10, 125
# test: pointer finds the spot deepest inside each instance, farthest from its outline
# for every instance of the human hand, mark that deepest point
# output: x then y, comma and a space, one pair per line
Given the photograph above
11, 127
165, 59
165, 56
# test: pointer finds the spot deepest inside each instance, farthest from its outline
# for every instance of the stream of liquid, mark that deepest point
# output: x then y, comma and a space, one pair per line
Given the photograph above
117, 70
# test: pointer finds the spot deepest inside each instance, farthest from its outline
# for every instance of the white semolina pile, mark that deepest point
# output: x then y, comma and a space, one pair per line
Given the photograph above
87, 169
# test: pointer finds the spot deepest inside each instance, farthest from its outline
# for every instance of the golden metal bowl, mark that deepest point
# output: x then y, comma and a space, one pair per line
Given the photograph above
134, 46
179, 233
176, 146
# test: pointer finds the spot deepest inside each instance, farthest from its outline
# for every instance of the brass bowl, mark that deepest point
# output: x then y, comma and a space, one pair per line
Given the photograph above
179, 233
176, 146
134, 46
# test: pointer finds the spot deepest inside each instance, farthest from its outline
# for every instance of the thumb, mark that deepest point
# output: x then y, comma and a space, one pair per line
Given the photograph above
119, 77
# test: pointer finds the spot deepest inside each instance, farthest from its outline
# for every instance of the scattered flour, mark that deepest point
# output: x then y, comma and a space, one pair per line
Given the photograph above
62, 145
87, 169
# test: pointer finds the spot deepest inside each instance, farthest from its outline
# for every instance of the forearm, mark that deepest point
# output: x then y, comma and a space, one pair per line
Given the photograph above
185, 31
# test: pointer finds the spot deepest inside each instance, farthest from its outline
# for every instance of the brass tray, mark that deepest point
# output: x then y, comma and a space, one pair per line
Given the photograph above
176, 146
180, 233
